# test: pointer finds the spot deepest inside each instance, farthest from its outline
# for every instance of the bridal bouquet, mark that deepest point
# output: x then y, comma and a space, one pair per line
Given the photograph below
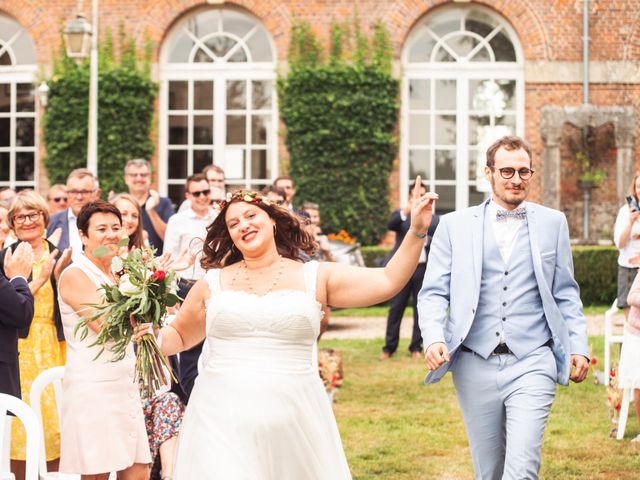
141, 294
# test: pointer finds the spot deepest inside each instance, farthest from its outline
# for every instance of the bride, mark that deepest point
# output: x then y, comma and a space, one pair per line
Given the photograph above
258, 408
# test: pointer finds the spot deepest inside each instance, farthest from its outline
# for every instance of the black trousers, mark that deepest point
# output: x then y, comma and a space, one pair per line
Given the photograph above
189, 358
396, 311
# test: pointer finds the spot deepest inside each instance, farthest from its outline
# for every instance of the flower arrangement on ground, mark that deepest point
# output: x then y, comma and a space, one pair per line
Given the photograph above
614, 401
141, 294
330, 369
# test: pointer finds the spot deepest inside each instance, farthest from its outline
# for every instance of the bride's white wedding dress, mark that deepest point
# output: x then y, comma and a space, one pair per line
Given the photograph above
258, 410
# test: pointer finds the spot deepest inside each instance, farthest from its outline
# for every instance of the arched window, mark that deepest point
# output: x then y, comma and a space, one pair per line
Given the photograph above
18, 146
218, 102
463, 87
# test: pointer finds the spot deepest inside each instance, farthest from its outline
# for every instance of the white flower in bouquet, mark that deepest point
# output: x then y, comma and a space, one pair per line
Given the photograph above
116, 264
126, 287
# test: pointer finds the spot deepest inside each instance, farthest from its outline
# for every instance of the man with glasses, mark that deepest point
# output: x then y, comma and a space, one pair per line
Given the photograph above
187, 230
57, 198
215, 177
82, 188
156, 210
500, 308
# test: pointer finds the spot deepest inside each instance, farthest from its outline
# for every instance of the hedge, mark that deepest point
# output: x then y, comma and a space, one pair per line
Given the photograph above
125, 113
341, 119
595, 270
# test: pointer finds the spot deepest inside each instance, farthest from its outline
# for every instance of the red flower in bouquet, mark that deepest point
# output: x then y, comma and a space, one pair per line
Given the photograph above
141, 295
159, 275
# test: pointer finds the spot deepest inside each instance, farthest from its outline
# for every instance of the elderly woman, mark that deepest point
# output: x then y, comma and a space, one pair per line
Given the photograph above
162, 412
40, 346
101, 401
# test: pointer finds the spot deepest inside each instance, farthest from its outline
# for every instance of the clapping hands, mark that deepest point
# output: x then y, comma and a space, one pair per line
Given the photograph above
19, 262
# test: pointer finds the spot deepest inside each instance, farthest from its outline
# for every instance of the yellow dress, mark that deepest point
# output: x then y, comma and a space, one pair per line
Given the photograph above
38, 352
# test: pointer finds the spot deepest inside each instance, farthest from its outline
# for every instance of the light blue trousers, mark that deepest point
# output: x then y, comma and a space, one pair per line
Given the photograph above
505, 403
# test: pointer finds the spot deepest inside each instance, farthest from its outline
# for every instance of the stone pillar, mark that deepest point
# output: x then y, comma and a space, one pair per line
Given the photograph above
624, 131
552, 119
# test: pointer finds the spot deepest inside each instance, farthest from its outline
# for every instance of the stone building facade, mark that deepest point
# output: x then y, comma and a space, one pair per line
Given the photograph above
470, 71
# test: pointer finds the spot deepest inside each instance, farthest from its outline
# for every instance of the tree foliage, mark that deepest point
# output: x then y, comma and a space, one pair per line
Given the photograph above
126, 96
341, 118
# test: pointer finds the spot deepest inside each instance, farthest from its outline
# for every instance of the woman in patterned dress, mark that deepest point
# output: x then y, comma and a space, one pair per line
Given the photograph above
162, 412
42, 346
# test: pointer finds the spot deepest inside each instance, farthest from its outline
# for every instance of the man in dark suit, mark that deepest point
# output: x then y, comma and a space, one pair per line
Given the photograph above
82, 188
400, 223
16, 313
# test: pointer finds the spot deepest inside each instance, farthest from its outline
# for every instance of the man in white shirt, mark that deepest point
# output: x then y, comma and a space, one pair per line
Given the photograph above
187, 230
215, 177
82, 188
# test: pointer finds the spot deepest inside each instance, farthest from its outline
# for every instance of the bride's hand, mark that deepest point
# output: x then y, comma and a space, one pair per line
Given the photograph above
421, 207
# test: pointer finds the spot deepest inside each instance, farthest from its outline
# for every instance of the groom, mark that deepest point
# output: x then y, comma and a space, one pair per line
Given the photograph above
500, 309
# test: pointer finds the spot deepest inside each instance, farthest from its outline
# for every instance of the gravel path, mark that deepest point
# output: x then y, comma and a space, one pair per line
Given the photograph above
374, 327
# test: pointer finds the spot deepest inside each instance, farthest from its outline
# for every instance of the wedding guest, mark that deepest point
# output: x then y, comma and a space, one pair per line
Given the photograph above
7, 194
57, 198
163, 411
285, 182
626, 235
324, 247
274, 194
101, 399
400, 223
82, 188
5, 231
156, 210
16, 313
215, 177
186, 230
629, 371
40, 345
499, 307
131, 219
259, 399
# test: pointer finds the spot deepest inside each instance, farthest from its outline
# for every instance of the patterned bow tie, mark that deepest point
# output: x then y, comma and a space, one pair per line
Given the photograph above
519, 213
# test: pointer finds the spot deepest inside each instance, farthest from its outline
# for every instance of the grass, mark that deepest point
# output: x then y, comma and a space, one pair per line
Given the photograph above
383, 310
393, 427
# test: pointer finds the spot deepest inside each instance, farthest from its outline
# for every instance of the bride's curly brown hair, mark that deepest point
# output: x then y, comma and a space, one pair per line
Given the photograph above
291, 237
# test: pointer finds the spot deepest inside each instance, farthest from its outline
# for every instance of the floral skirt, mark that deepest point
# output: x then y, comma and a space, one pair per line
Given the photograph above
163, 416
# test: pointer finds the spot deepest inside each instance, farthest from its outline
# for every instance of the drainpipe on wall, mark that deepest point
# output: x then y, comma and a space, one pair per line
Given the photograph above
586, 192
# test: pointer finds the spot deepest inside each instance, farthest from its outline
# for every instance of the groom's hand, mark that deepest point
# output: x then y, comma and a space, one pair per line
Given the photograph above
580, 365
437, 354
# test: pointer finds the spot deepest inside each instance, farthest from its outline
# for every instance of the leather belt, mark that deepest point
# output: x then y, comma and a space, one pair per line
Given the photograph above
503, 349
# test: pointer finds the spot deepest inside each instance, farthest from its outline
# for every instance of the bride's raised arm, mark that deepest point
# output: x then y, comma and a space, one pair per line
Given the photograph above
348, 286
188, 328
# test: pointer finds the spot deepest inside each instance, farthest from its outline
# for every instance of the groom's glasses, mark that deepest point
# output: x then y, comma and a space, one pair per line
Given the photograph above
508, 172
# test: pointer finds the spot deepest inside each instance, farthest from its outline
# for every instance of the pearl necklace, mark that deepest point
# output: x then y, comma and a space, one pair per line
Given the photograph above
247, 280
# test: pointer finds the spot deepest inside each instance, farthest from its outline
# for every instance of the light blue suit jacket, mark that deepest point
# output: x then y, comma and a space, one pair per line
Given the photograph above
449, 297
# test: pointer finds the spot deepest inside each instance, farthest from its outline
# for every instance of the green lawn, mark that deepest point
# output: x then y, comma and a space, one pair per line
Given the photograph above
393, 427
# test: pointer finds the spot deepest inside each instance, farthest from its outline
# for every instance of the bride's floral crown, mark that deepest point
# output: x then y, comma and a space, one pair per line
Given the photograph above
245, 196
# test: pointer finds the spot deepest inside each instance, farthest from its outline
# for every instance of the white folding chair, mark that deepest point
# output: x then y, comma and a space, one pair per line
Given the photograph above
27, 416
5, 453
43, 380
53, 376
613, 333
627, 398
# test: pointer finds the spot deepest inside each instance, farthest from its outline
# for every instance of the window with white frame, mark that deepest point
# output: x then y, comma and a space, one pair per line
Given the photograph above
463, 88
218, 102
18, 146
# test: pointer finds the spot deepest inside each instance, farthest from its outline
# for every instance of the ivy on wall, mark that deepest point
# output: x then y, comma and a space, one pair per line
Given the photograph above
341, 112
126, 96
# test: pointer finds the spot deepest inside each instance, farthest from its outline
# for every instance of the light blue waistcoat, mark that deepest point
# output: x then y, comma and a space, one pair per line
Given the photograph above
509, 299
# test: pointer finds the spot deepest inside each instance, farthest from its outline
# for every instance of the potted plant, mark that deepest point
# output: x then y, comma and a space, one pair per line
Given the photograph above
590, 176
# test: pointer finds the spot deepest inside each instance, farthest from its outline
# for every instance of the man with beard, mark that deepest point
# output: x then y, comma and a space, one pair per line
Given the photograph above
500, 308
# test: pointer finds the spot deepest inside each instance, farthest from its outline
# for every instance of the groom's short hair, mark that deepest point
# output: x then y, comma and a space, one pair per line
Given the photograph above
509, 142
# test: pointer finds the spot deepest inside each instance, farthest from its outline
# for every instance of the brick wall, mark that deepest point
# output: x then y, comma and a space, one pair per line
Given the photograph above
549, 30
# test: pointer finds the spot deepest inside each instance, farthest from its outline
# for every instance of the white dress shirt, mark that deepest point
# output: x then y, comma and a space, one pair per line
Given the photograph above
504, 231
632, 247
187, 230
74, 236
